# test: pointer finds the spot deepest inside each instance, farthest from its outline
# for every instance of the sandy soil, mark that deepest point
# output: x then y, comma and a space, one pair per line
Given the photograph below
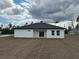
11, 48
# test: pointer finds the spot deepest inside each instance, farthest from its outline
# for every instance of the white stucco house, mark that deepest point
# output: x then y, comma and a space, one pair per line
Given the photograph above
39, 30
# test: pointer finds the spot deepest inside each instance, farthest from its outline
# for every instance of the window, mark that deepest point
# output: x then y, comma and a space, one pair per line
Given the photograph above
41, 34
53, 32
58, 33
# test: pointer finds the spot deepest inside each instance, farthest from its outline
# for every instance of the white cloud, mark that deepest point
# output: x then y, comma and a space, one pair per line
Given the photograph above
55, 9
14, 12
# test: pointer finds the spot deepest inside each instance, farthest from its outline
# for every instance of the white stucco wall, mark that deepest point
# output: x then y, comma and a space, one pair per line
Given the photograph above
49, 34
20, 33
45, 34
23, 33
36, 34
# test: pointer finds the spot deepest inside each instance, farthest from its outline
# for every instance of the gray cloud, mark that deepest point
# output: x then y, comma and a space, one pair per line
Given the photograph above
12, 11
41, 9
54, 9
5, 4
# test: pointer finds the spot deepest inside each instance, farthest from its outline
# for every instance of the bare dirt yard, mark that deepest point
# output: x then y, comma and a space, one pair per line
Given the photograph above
13, 48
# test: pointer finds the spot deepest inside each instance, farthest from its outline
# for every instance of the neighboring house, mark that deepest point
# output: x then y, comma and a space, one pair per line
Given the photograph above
39, 30
74, 31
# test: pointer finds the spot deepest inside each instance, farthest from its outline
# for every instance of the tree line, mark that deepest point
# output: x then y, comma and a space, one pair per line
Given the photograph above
10, 28
7, 30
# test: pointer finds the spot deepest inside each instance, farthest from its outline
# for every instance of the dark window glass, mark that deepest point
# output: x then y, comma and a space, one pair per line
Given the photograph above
41, 34
58, 33
53, 32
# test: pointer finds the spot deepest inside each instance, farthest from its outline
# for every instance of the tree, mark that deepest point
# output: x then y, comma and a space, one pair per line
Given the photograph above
69, 28
32, 22
13, 26
77, 26
77, 19
10, 25
1, 26
7, 31
26, 24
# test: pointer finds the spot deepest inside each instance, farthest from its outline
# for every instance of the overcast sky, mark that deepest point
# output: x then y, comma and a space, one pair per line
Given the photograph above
19, 11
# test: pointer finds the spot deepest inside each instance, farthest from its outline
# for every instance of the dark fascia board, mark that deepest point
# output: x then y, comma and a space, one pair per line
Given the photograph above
39, 28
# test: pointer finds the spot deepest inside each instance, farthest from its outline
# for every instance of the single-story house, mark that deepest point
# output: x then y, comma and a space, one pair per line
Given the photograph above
39, 30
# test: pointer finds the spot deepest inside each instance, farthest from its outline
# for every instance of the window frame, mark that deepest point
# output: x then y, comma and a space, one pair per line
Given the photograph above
53, 33
58, 32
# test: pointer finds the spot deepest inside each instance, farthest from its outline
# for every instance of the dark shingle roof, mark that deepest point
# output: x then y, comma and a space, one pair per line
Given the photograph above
39, 26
